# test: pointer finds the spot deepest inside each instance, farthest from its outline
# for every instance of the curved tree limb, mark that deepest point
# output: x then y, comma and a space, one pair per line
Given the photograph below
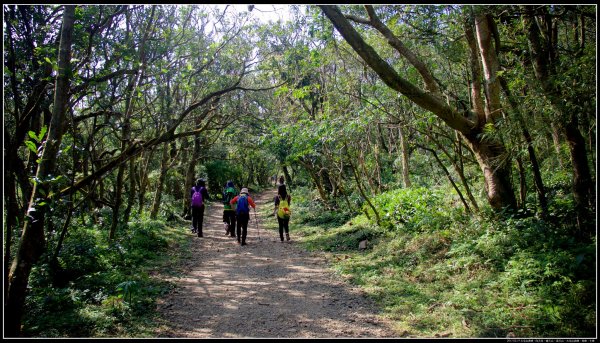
391, 78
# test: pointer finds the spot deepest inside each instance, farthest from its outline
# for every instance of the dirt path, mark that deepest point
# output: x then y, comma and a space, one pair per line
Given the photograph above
265, 289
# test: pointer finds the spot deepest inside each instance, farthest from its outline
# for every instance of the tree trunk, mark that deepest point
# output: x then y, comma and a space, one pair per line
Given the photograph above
366, 173
316, 179
376, 154
15, 170
161, 181
117, 201
459, 168
556, 143
496, 172
447, 173
286, 173
475, 77
457, 164
497, 181
143, 179
131, 190
404, 152
489, 60
190, 177
582, 182
32, 242
537, 175
381, 139
134, 82
522, 183
12, 209
360, 188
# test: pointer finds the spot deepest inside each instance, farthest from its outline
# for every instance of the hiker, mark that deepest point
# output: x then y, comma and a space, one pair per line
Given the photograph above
281, 181
199, 196
282, 211
242, 211
229, 193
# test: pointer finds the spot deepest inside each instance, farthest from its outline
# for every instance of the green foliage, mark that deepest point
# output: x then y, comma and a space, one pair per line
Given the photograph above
100, 289
310, 210
35, 143
416, 210
431, 266
482, 277
142, 241
345, 238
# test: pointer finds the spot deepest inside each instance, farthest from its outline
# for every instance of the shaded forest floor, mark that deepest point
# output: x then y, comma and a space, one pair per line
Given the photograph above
264, 289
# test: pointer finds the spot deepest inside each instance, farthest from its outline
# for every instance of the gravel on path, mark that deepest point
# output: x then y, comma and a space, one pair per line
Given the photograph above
264, 289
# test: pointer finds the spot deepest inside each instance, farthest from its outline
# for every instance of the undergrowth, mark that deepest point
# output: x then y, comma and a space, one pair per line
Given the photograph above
434, 270
438, 272
103, 288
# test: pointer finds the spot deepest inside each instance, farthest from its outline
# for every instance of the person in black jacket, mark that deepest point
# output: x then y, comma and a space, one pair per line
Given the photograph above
229, 192
198, 206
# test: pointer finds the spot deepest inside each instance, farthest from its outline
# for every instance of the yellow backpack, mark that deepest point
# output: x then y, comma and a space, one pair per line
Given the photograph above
284, 211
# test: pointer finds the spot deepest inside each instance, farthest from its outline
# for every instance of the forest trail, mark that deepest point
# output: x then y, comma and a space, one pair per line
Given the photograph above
264, 289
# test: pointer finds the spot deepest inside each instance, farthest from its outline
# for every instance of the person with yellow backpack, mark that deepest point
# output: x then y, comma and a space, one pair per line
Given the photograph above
282, 211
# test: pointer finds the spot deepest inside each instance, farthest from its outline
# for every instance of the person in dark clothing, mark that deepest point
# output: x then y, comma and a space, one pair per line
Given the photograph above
243, 203
198, 204
282, 204
229, 193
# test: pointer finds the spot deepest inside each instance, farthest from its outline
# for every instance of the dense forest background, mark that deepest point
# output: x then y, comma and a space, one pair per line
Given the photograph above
462, 139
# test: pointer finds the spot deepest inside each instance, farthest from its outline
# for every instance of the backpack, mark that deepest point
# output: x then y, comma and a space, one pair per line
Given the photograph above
242, 205
228, 195
197, 197
284, 211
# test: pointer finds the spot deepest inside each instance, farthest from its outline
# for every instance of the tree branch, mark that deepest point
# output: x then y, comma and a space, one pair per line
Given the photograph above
391, 78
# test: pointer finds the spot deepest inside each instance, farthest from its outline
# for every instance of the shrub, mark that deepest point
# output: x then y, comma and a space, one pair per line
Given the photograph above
415, 210
108, 289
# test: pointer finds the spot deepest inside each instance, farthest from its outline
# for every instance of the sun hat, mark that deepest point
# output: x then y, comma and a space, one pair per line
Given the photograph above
244, 190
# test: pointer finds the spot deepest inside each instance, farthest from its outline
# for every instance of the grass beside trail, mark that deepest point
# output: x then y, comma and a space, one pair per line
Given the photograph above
106, 289
439, 273
433, 270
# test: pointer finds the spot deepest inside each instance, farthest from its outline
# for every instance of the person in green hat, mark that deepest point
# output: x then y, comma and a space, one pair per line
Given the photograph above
229, 192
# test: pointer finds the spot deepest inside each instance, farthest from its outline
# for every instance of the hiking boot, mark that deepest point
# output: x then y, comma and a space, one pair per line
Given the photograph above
200, 234
287, 237
244, 243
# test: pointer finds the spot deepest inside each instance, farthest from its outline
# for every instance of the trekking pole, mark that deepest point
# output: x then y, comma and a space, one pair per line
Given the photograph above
256, 221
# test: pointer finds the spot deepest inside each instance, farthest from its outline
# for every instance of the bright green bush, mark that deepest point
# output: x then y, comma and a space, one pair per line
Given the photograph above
415, 210
308, 209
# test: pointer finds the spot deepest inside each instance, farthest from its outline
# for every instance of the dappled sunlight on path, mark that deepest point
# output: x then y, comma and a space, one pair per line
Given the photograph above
264, 289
